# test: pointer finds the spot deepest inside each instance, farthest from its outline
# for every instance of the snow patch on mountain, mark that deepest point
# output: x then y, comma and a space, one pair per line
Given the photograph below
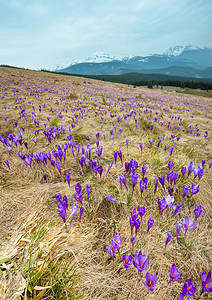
177, 50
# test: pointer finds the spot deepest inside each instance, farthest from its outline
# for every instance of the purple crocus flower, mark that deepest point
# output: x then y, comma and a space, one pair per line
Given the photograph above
28, 160
178, 228
200, 172
111, 249
134, 214
183, 170
188, 224
168, 239
58, 197
170, 165
162, 204
123, 180
110, 165
117, 240
99, 151
190, 168
195, 171
186, 190
7, 163
156, 185
151, 142
134, 180
132, 224
203, 162
195, 189
126, 259
162, 181
120, 156
107, 197
177, 209
137, 223
140, 261
150, 281
142, 187
144, 170
78, 197
170, 190
44, 177
58, 167
198, 211
115, 154
81, 161
100, 170
61, 211
88, 189
187, 290
210, 163
171, 151
127, 143
62, 205
119, 180
81, 212
78, 188
141, 147
132, 242
74, 210
174, 273
150, 223
68, 178
141, 211
206, 286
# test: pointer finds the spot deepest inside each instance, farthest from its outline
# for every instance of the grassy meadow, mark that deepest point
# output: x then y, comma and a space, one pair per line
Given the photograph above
46, 123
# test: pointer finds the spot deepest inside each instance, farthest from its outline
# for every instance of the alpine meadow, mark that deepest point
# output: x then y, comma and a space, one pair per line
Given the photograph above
105, 190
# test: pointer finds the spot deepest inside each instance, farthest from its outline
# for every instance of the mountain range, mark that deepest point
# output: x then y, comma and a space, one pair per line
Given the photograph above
188, 61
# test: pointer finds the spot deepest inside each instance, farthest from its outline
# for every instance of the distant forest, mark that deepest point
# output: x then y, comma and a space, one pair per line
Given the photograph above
150, 80
177, 83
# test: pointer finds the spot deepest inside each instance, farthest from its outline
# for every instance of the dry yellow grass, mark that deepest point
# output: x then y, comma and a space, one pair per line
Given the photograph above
28, 203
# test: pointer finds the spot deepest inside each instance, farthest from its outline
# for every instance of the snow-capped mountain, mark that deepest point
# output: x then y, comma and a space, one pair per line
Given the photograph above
100, 57
175, 57
177, 50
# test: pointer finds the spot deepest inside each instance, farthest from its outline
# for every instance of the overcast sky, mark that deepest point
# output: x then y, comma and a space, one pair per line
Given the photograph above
40, 33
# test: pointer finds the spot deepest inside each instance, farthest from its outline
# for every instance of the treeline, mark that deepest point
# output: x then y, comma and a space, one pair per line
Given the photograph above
191, 84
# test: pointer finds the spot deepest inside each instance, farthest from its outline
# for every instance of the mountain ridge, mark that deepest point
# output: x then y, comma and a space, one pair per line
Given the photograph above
190, 57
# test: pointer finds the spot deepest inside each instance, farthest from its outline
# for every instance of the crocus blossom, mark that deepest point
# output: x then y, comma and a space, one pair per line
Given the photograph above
117, 240
150, 223
126, 259
188, 224
150, 281
177, 209
88, 189
134, 180
198, 211
188, 289
194, 189
186, 190
140, 261
168, 239
206, 285
178, 229
74, 210
7, 163
174, 273
111, 249
107, 197
68, 178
